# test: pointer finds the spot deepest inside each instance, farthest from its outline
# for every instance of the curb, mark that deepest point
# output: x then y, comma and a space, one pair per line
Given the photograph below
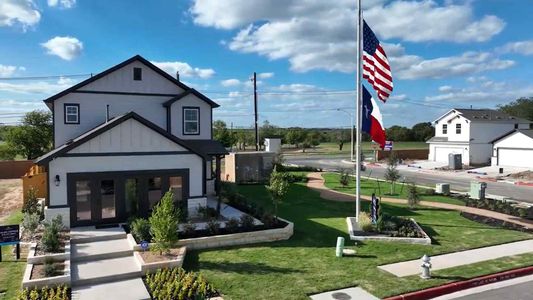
522, 183
463, 285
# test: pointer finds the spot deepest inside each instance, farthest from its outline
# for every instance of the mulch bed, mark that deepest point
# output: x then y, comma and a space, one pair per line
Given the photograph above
37, 272
152, 256
495, 222
64, 236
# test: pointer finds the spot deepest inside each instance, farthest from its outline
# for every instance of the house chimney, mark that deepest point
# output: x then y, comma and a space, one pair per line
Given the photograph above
107, 113
178, 75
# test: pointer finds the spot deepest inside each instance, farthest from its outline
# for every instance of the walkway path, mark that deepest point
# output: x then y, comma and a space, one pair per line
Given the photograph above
316, 182
444, 261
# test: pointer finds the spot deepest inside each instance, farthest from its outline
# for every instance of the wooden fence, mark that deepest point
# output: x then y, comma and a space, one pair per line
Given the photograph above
11, 169
36, 178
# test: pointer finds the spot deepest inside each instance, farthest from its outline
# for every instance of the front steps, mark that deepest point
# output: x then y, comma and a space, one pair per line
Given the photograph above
103, 265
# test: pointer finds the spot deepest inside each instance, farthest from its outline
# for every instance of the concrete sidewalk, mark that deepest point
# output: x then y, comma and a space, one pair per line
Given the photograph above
412, 267
355, 293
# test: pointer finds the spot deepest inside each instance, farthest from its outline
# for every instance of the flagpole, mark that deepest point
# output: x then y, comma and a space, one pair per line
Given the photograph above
358, 110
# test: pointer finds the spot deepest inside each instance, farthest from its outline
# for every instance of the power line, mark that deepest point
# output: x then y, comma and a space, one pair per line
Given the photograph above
45, 77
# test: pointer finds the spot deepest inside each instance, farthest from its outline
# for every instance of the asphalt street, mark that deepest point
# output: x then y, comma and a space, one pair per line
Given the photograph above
330, 163
522, 291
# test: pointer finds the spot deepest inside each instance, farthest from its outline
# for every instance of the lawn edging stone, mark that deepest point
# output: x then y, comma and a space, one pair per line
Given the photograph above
53, 281
39, 259
234, 239
148, 268
350, 221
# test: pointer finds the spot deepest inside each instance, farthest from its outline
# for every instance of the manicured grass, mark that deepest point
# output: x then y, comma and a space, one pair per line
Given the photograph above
333, 148
307, 264
382, 188
11, 270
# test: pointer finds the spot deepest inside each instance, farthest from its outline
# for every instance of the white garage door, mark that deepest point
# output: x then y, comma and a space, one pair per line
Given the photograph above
515, 157
441, 153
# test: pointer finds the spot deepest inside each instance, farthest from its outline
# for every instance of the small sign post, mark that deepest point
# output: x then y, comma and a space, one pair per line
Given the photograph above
374, 209
10, 235
144, 245
388, 146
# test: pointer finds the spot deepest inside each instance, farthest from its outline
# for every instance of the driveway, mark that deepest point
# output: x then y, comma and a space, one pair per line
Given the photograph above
421, 177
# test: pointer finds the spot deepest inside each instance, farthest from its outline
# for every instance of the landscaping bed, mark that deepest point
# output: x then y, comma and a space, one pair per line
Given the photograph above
45, 293
495, 222
393, 229
40, 271
176, 283
507, 208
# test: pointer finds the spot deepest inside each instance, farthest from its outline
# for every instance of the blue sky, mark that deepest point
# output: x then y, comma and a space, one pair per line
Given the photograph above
443, 54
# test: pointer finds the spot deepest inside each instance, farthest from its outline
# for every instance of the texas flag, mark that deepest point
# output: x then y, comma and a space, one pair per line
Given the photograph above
372, 121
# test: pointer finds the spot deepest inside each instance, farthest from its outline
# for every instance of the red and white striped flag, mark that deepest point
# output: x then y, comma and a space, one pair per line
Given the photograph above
376, 68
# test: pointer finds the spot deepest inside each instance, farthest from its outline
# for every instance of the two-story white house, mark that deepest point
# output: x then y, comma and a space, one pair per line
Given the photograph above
470, 132
124, 137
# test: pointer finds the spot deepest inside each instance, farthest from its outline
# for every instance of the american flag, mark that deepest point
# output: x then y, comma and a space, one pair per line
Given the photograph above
376, 68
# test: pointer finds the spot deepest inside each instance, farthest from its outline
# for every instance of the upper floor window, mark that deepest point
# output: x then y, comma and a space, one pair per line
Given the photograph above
445, 129
458, 128
191, 120
515, 126
137, 74
72, 113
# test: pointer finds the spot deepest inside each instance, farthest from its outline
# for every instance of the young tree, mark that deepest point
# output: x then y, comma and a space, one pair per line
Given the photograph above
222, 134
413, 197
344, 179
278, 188
34, 137
164, 224
391, 173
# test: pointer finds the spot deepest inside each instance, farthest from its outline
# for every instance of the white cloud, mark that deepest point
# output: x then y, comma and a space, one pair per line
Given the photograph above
265, 75
22, 12
7, 71
37, 87
522, 47
62, 3
445, 88
415, 67
65, 47
230, 82
184, 69
317, 34
297, 88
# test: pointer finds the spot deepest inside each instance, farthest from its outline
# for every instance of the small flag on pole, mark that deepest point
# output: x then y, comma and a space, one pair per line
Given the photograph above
376, 68
372, 120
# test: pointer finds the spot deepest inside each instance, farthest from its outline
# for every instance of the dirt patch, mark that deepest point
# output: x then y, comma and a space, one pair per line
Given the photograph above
151, 256
10, 196
526, 175
37, 272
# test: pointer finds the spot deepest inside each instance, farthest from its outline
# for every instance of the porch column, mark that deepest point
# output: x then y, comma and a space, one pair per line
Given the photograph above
217, 175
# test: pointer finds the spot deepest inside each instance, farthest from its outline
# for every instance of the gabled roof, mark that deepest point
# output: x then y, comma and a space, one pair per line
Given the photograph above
526, 132
485, 115
122, 64
188, 92
107, 126
209, 147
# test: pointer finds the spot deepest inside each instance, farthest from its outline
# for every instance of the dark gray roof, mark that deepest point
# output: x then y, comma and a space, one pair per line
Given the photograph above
69, 145
526, 132
489, 115
187, 92
208, 147
438, 139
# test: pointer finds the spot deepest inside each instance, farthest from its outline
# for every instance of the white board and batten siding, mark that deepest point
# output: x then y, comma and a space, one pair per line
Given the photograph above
514, 150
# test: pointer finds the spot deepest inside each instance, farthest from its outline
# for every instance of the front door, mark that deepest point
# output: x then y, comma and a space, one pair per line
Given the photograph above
95, 201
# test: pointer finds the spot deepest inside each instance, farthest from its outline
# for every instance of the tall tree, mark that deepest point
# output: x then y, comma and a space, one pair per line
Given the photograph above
423, 131
521, 108
34, 137
222, 134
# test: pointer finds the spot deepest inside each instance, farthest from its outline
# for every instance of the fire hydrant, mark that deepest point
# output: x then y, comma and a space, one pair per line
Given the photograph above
426, 266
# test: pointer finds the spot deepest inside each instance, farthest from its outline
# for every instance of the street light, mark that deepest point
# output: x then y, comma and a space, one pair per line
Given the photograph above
351, 128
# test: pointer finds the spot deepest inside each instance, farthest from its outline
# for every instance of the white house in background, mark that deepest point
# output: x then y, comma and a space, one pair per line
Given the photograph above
122, 138
470, 132
514, 149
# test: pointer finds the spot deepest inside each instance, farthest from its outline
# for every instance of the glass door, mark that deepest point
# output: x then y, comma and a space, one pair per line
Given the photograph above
107, 199
83, 201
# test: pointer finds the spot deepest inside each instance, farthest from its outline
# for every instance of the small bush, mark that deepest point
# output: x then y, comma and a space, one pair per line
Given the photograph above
176, 283
31, 222
269, 220
207, 212
247, 222
212, 226
413, 196
56, 293
189, 228
140, 229
31, 203
344, 178
50, 239
49, 267
365, 222
430, 192
164, 224
232, 225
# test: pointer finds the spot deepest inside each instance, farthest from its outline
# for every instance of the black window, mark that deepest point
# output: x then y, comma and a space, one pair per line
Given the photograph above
137, 74
72, 113
191, 120
515, 126
458, 128
445, 129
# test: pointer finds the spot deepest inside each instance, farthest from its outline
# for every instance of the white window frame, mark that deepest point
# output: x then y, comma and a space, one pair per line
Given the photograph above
185, 121
68, 114
444, 128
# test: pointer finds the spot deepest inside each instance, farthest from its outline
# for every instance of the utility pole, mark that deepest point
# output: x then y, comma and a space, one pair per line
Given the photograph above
255, 112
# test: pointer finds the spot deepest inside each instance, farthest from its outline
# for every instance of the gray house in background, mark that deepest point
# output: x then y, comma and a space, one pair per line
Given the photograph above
124, 137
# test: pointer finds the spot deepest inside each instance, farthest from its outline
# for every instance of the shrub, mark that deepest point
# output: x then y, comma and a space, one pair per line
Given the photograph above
232, 225
295, 177
207, 212
164, 224
247, 222
31, 222
365, 222
413, 197
212, 226
176, 283
430, 192
50, 239
140, 229
344, 179
31, 203
189, 228
269, 220
278, 188
49, 267
61, 292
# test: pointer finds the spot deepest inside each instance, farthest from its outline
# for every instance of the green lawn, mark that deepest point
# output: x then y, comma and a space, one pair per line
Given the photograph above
383, 188
307, 264
333, 148
11, 270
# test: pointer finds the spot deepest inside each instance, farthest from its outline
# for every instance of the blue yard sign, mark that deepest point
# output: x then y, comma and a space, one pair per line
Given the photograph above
388, 146
144, 245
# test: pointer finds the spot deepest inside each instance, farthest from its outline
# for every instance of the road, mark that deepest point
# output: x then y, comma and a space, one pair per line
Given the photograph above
522, 291
331, 163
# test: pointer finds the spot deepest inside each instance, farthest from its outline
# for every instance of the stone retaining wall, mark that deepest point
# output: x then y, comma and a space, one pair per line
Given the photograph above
426, 240
148, 268
49, 281
39, 259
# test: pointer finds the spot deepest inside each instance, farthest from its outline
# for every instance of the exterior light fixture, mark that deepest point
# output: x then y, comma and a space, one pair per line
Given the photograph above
57, 180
